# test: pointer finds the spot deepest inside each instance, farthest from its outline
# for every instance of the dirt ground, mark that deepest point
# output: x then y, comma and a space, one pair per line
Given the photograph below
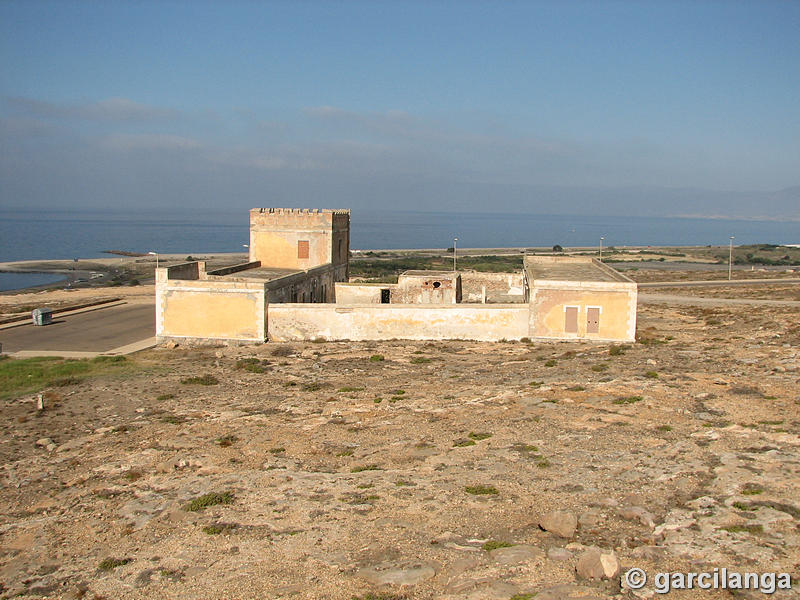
413, 470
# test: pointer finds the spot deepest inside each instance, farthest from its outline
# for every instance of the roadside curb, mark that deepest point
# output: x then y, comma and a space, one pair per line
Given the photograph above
121, 350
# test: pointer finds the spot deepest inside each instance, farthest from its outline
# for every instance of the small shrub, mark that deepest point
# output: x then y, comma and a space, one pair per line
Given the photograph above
420, 360
651, 375
479, 436
227, 440
627, 400
109, 359
218, 528
494, 545
377, 400
525, 448
351, 389
743, 506
754, 529
664, 428
253, 365
550, 363
133, 475
481, 490
576, 388
210, 499
361, 468
206, 379
745, 390
282, 351
463, 443
376, 358
543, 463
347, 452
64, 381
173, 419
614, 350
599, 368
277, 450
536, 383
109, 564
163, 397
752, 489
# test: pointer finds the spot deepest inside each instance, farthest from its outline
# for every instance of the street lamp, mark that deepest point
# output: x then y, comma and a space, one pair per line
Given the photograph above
730, 258
455, 253
601, 248
156, 255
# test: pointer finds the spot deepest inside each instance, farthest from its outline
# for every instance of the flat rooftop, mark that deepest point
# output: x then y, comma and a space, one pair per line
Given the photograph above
568, 268
265, 273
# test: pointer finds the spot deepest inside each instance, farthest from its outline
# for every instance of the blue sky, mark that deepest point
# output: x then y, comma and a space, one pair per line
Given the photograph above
380, 103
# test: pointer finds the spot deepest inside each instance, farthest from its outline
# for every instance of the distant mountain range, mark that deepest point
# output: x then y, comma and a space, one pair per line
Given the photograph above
642, 201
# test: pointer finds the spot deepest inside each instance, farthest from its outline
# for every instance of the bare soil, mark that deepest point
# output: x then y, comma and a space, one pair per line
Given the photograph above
340, 475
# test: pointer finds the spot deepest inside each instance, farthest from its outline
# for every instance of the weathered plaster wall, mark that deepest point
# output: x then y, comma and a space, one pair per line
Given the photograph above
394, 321
211, 310
275, 233
617, 320
361, 293
498, 288
432, 288
314, 285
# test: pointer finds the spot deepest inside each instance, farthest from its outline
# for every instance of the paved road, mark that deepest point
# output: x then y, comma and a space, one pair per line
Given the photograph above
95, 331
719, 282
696, 300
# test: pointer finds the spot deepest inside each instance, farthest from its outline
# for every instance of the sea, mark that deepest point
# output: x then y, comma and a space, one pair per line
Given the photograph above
68, 234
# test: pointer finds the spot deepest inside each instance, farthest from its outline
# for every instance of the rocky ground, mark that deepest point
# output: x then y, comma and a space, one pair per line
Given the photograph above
413, 470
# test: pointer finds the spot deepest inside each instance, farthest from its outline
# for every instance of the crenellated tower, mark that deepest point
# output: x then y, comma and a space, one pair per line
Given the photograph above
293, 238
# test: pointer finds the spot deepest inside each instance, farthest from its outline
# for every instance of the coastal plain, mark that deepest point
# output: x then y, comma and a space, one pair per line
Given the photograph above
409, 469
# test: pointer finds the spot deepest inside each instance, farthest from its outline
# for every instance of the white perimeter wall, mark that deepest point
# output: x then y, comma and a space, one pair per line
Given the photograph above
397, 321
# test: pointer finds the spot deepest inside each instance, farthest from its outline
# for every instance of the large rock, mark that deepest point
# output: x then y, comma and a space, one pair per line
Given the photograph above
516, 554
399, 574
637, 513
596, 564
560, 523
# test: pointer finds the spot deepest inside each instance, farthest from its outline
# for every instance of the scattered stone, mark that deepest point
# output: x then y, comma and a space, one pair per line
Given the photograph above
46, 443
569, 591
399, 574
637, 513
596, 564
516, 554
556, 553
560, 523
652, 553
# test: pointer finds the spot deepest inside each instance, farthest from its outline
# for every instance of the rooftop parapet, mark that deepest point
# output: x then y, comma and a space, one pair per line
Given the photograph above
572, 268
284, 217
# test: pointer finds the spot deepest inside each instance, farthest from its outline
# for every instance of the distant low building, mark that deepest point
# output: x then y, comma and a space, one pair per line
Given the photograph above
295, 287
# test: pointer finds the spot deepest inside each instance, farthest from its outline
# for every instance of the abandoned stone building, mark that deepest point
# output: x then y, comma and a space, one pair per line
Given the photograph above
295, 286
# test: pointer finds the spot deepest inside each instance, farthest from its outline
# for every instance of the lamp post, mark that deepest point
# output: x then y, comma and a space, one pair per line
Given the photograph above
156, 255
601, 248
455, 253
730, 259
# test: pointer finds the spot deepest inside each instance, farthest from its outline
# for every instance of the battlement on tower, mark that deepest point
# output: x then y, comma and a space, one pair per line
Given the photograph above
299, 238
